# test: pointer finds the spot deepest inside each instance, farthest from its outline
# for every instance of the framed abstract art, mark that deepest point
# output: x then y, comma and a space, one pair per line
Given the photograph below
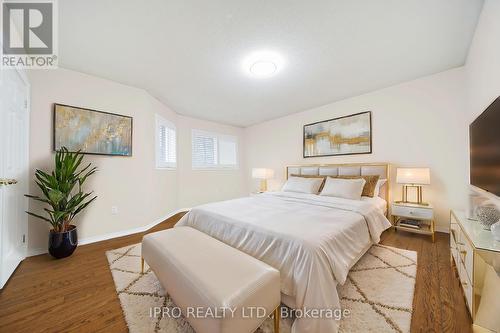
346, 135
91, 131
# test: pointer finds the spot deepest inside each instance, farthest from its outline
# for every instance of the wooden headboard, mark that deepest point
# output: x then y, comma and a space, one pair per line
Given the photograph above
352, 169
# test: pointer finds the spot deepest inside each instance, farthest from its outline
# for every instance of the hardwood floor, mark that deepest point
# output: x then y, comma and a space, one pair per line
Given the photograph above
77, 294
439, 304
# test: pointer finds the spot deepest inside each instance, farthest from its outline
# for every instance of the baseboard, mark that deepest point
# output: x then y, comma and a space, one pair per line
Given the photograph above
99, 238
121, 233
35, 251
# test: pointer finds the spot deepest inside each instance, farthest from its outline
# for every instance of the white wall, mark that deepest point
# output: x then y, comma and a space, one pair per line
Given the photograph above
141, 193
418, 123
482, 68
202, 186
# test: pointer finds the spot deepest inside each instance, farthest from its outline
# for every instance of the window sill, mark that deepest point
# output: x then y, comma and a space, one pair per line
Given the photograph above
215, 168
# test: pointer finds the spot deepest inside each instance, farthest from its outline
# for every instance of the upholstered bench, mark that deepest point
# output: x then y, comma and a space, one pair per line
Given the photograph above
203, 276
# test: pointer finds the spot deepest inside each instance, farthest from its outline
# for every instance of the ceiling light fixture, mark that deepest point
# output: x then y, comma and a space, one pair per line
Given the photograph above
263, 68
263, 64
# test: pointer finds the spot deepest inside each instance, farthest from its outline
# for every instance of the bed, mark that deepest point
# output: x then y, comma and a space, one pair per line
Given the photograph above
312, 240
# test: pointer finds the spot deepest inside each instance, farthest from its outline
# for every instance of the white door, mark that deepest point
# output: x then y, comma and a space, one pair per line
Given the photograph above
14, 127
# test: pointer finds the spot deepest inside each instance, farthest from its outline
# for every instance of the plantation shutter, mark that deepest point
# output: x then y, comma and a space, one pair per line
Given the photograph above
166, 144
204, 148
212, 150
228, 151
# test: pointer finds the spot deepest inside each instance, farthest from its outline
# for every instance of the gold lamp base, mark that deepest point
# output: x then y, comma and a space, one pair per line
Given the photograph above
404, 195
263, 185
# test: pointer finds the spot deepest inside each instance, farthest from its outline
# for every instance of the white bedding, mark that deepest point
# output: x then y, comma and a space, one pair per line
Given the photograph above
377, 201
312, 240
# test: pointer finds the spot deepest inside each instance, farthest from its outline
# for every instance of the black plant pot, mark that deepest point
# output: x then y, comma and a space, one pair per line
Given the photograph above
63, 244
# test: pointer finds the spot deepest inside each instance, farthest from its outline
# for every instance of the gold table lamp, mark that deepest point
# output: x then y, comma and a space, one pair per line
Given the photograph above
413, 178
263, 174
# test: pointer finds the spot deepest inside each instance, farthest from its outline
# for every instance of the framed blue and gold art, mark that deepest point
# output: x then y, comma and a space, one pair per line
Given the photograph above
91, 131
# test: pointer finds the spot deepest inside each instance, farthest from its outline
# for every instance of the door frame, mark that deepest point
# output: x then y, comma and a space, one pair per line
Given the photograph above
25, 78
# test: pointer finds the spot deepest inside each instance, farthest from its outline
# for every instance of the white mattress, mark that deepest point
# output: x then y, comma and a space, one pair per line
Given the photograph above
312, 240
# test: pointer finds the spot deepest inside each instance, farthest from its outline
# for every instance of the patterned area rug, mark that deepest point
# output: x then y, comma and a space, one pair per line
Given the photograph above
378, 293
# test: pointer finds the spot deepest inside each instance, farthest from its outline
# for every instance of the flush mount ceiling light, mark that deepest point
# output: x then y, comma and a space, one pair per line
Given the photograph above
263, 64
263, 68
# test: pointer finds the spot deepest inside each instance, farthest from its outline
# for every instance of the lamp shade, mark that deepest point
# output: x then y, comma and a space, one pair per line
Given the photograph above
417, 176
262, 173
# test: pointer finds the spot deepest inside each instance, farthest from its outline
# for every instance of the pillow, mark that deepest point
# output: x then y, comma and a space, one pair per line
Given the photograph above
379, 185
343, 188
371, 183
303, 185
313, 176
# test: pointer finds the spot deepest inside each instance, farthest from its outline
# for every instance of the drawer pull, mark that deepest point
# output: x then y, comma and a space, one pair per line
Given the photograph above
463, 253
464, 283
460, 243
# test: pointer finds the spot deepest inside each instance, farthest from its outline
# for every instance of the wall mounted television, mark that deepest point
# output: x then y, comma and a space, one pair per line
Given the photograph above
484, 139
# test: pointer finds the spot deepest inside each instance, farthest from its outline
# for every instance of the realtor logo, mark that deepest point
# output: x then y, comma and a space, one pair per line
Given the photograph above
29, 34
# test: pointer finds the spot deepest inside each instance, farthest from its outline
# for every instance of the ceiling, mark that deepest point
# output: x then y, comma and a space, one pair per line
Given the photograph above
189, 54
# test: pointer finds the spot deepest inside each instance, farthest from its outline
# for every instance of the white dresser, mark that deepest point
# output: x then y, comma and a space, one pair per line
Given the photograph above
474, 251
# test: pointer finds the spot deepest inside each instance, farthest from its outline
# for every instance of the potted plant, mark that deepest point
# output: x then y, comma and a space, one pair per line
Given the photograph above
62, 192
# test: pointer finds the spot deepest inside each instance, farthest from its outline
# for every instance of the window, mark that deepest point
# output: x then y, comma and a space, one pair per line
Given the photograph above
166, 144
212, 150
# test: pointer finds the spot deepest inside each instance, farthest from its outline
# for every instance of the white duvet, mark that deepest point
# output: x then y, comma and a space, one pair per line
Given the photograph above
312, 240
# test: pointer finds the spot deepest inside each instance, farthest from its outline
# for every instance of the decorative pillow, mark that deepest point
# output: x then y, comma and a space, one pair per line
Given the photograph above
313, 176
302, 185
369, 188
343, 188
379, 185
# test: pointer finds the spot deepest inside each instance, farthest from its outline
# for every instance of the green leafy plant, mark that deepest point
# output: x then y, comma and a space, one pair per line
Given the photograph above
62, 189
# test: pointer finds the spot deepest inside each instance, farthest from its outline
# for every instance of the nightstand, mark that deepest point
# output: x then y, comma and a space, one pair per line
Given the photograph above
425, 214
